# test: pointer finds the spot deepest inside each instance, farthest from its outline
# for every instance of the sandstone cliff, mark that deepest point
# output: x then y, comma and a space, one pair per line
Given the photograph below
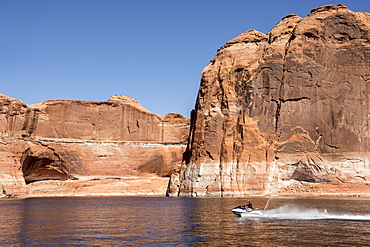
65, 148
284, 113
118, 119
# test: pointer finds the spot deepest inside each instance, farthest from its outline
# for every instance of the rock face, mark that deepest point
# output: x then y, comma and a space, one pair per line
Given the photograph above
69, 148
284, 113
118, 119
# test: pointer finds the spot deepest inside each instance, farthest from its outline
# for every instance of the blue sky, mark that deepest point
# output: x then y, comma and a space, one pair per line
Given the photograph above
153, 51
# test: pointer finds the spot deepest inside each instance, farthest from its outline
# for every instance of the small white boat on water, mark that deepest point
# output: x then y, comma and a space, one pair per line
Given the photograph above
245, 211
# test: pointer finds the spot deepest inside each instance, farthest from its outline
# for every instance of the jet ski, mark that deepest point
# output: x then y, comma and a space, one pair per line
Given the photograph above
245, 211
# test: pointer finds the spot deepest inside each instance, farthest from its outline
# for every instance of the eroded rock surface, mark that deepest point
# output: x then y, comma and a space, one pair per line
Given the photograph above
66, 148
283, 112
118, 119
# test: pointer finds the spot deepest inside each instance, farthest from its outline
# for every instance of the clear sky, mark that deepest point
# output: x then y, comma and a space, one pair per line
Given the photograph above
153, 51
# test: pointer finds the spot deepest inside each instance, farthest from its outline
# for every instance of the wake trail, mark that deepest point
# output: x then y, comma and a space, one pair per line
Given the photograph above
289, 212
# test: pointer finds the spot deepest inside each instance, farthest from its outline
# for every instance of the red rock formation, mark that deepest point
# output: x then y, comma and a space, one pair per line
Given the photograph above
69, 148
279, 111
119, 119
13, 115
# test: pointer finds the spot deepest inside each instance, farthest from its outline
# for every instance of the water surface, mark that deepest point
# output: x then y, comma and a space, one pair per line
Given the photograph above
160, 221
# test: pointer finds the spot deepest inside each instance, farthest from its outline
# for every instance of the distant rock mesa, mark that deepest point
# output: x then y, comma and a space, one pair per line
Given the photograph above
285, 113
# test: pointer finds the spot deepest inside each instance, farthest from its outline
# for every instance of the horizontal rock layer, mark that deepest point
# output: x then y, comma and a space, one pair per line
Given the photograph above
118, 119
281, 112
61, 168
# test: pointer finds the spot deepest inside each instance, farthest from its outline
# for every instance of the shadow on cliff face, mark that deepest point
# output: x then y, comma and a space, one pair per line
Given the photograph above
310, 173
41, 163
158, 166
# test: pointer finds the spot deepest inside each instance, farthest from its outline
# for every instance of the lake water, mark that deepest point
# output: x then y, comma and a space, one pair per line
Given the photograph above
161, 221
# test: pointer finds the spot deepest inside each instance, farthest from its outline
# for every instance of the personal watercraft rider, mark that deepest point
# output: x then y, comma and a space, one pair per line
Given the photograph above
249, 205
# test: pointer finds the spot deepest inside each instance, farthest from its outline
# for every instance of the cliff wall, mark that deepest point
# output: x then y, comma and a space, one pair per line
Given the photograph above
284, 113
66, 148
120, 118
